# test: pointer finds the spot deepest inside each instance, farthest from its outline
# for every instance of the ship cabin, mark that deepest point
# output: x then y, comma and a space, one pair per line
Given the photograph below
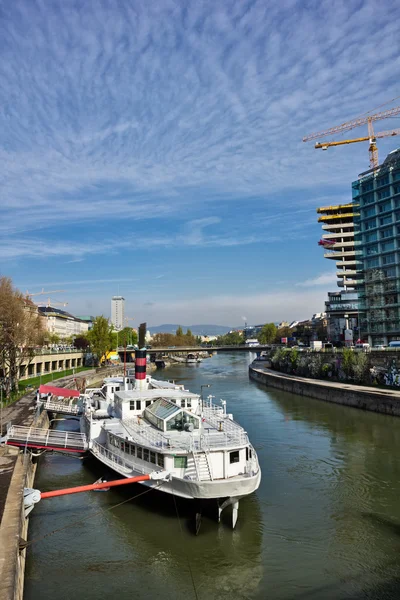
132, 403
168, 416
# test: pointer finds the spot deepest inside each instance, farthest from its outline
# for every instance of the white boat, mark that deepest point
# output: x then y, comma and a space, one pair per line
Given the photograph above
193, 358
152, 428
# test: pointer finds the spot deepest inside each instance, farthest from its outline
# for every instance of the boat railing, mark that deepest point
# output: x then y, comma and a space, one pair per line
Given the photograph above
114, 459
220, 421
203, 443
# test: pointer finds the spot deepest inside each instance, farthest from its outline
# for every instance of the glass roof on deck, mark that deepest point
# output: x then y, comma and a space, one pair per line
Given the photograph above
162, 408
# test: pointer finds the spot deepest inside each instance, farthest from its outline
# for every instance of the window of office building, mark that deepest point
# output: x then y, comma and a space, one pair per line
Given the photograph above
385, 220
389, 259
386, 233
390, 272
388, 246
383, 193
370, 250
371, 237
396, 176
382, 180
368, 198
370, 224
372, 262
369, 212
385, 206
368, 185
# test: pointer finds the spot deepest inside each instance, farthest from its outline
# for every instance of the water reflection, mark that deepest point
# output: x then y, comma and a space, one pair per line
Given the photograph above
324, 523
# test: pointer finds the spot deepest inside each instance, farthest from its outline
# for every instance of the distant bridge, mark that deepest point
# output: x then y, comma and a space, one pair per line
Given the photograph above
129, 353
239, 348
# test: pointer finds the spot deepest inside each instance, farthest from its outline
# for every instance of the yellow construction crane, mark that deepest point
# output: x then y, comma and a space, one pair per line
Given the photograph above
51, 303
371, 138
43, 292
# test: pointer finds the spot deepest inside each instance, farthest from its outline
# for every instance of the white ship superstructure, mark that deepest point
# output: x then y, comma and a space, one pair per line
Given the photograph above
205, 452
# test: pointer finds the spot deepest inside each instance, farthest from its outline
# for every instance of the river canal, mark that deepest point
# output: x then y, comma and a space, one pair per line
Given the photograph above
324, 524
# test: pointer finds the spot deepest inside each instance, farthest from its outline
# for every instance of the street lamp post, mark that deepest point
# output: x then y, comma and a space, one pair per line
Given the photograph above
205, 385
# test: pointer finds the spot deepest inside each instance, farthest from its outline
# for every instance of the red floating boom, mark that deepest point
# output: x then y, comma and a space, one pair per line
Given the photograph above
94, 486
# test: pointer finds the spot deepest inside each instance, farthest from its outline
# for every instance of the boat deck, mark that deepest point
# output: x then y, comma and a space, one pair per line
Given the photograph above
218, 432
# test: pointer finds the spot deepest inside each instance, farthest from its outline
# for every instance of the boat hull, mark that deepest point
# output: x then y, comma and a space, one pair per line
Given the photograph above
238, 486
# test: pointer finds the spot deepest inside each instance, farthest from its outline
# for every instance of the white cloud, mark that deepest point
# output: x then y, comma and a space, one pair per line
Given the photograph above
223, 309
328, 278
164, 103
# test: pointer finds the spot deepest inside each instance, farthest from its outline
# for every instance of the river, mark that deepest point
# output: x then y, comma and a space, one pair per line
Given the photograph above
324, 524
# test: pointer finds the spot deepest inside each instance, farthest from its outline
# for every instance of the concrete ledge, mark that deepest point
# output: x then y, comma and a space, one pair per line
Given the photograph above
366, 398
13, 526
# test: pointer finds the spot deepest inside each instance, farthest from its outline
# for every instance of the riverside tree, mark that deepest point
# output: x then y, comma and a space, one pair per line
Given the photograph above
100, 337
267, 334
21, 331
125, 337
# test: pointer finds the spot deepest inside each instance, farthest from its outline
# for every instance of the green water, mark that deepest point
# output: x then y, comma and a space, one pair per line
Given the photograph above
324, 524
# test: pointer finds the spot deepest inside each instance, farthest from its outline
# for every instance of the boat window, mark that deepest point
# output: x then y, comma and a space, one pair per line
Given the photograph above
183, 403
123, 446
182, 420
180, 462
148, 402
160, 460
248, 453
145, 454
234, 457
132, 405
132, 449
117, 389
153, 457
189, 403
138, 405
139, 452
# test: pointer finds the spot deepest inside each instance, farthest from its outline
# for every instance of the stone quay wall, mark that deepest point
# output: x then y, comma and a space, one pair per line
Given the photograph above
365, 398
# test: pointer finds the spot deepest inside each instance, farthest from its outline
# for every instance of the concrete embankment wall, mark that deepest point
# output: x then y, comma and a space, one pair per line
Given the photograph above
14, 525
366, 398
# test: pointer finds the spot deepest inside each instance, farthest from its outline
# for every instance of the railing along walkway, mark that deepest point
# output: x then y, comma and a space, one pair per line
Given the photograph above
33, 437
59, 407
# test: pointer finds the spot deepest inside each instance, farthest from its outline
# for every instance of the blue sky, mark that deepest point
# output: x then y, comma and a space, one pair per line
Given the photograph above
154, 149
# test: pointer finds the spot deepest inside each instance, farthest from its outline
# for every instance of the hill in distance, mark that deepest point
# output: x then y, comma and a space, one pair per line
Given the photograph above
195, 329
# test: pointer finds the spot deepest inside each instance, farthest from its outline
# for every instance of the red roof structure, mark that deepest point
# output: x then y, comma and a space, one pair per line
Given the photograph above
64, 392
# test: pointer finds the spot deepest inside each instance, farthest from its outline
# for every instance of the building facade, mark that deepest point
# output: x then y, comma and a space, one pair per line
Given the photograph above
377, 192
339, 244
61, 323
118, 312
87, 319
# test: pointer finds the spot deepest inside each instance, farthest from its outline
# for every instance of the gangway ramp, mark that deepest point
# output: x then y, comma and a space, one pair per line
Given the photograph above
61, 408
48, 439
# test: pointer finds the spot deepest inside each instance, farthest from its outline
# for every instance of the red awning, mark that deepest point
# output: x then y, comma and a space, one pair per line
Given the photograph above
65, 392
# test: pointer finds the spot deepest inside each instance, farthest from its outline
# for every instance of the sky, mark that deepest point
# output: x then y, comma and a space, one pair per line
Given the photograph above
154, 149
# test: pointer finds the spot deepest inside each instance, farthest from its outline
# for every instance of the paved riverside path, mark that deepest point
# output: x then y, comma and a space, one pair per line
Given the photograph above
367, 389
20, 412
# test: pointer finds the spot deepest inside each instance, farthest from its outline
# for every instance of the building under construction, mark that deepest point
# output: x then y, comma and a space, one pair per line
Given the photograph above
377, 192
371, 270
339, 245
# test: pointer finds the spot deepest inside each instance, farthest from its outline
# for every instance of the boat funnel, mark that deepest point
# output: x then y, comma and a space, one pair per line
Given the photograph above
140, 360
140, 369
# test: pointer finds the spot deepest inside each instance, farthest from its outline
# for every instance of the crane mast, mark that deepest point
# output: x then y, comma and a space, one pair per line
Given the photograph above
348, 125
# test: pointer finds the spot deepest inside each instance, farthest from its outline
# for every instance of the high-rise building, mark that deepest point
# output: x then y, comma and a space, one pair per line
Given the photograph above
377, 192
118, 312
339, 245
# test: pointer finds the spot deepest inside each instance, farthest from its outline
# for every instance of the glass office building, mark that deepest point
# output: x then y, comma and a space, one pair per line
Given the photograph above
377, 228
